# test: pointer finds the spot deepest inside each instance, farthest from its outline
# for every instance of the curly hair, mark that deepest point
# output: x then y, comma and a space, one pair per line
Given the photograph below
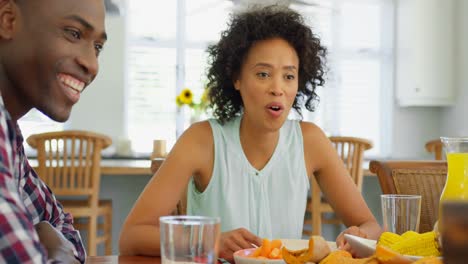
227, 56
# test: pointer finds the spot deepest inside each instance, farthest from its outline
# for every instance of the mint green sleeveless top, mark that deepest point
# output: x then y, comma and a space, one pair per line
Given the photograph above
271, 202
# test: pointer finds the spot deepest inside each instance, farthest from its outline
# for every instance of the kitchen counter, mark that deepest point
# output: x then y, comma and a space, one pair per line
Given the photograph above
129, 167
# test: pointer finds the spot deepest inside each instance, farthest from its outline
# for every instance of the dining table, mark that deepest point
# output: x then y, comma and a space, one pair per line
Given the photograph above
122, 260
115, 259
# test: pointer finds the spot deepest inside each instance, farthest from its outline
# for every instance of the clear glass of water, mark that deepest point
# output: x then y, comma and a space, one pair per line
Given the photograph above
400, 212
189, 239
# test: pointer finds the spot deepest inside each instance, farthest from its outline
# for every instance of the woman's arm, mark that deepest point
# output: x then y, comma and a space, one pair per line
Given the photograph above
337, 185
140, 232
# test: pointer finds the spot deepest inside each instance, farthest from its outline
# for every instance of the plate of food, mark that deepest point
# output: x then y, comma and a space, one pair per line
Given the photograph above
279, 250
364, 247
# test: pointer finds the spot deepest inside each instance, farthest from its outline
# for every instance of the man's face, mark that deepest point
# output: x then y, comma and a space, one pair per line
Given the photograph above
52, 54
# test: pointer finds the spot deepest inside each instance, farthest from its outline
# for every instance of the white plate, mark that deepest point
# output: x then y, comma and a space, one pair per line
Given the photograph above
296, 244
366, 247
241, 256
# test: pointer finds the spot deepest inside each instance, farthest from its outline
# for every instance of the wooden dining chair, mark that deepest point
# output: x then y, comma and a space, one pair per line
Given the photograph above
436, 147
69, 163
351, 150
425, 178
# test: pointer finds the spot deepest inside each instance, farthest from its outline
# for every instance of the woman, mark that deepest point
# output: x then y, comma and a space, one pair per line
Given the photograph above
251, 166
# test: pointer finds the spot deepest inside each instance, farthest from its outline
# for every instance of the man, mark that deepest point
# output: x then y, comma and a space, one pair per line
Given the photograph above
48, 55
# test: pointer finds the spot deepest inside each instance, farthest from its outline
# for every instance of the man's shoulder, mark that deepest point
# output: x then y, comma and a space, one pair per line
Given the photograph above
3, 112
8, 140
6, 124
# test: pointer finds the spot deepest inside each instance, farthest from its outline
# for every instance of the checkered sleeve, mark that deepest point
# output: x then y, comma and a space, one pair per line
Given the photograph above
62, 221
19, 242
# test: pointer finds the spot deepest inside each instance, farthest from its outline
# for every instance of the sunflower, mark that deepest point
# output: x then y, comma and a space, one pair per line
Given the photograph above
178, 101
186, 96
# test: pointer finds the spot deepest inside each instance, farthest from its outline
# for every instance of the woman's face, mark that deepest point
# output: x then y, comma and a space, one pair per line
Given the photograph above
268, 82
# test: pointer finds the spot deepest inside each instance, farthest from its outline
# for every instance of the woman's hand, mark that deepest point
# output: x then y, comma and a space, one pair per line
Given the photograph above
235, 240
341, 241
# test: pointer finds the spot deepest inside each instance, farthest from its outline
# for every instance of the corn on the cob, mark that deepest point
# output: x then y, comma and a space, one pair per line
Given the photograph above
409, 234
411, 243
418, 245
387, 239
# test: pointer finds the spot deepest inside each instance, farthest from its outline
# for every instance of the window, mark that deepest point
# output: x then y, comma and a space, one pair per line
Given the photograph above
167, 53
357, 97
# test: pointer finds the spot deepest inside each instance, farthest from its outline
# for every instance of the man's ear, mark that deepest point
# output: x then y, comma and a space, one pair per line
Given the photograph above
8, 17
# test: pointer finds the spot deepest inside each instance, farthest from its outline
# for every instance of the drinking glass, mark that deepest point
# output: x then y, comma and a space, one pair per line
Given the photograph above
401, 213
189, 239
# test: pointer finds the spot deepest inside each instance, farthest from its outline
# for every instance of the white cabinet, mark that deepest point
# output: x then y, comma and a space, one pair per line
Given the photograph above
425, 52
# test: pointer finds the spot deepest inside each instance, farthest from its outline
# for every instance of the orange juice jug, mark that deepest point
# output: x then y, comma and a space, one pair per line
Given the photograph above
456, 186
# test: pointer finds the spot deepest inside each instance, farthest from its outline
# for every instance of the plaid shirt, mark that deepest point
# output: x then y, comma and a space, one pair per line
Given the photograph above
25, 201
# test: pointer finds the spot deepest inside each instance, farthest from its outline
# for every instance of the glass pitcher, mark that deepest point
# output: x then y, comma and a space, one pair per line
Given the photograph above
456, 186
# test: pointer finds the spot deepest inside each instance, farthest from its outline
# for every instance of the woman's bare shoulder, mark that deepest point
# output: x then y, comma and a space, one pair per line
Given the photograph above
202, 128
316, 146
311, 131
197, 139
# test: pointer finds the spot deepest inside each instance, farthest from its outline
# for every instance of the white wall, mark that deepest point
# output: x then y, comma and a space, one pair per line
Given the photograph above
101, 107
413, 126
454, 120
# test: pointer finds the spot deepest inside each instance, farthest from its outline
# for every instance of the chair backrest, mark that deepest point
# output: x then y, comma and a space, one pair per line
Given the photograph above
351, 150
69, 161
435, 146
426, 178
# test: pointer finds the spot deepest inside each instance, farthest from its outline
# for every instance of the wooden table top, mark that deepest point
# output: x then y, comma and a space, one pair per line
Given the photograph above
122, 260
